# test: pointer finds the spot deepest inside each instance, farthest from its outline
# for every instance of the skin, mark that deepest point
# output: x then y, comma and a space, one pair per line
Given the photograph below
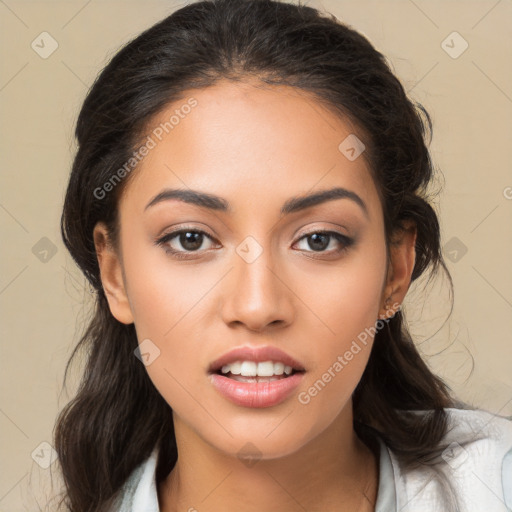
256, 146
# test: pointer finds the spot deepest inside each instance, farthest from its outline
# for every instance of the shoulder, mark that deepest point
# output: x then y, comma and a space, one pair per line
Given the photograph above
471, 472
479, 421
139, 493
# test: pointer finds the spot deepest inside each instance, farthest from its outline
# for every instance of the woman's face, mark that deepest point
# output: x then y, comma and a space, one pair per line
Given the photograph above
258, 277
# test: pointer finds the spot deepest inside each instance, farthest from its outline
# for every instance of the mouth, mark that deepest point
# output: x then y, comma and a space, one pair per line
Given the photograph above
248, 371
258, 378
256, 364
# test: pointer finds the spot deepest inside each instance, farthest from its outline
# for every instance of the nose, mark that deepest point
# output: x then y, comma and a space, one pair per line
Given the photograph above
256, 293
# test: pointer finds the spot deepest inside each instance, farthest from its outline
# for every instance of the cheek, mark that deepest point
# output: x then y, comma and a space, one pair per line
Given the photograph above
161, 293
168, 306
347, 303
344, 300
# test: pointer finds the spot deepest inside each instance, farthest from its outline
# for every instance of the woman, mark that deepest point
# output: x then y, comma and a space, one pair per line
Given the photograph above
249, 202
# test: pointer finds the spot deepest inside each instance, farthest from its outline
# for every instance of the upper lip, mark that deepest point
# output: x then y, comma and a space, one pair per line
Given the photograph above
256, 354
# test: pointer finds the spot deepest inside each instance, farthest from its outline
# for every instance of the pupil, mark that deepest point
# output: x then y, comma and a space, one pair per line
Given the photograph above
191, 238
315, 237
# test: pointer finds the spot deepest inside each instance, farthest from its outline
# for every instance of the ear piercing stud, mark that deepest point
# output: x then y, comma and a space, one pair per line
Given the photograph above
387, 308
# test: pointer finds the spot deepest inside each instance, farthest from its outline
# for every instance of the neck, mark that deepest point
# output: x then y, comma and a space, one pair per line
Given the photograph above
335, 471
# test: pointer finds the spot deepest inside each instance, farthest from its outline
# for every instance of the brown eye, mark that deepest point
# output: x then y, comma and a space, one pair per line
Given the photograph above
318, 241
183, 241
190, 240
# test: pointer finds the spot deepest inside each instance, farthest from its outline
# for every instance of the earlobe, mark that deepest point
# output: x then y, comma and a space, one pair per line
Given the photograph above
401, 265
111, 275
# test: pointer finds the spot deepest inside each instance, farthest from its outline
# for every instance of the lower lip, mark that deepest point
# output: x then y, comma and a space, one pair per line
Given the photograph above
256, 394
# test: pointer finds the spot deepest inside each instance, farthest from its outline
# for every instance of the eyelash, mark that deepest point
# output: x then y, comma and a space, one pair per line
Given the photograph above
181, 255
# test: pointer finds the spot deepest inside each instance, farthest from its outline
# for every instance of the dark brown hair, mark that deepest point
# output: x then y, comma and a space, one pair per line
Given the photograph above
117, 416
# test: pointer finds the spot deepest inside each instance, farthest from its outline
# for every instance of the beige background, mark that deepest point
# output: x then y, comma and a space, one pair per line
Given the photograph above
43, 304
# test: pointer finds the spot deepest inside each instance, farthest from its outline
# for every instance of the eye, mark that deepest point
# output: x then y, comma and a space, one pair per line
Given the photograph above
191, 240
320, 240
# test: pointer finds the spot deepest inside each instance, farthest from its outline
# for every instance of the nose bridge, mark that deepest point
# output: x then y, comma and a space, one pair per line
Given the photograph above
253, 267
257, 296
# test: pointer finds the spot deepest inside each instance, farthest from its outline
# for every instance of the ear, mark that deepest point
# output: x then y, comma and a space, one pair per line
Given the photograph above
402, 259
111, 275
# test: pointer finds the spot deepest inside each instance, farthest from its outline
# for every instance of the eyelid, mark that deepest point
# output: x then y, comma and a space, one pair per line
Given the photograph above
164, 238
310, 230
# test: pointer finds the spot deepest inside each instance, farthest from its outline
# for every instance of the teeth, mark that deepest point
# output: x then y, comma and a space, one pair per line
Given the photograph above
252, 369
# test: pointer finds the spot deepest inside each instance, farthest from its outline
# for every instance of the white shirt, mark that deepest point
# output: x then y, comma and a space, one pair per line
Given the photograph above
479, 471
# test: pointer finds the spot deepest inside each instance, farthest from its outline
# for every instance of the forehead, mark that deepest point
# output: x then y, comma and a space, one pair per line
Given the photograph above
251, 143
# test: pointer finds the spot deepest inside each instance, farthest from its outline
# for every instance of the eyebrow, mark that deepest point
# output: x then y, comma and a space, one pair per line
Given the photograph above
292, 205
